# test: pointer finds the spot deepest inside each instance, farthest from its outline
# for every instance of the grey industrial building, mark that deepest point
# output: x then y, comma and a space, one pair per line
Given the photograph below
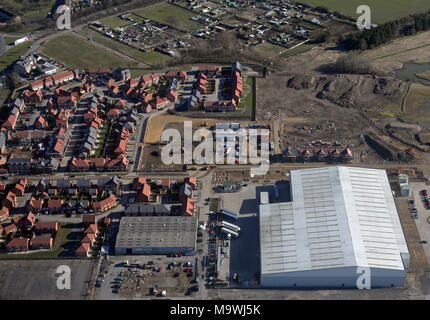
156, 235
341, 222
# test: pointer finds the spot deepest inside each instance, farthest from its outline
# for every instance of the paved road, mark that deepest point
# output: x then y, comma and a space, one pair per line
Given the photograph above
2, 44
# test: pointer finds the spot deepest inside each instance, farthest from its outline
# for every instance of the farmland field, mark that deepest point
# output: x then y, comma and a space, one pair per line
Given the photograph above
417, 103
115, 22
269, 49
381, 10
78, 53
170, 15
146, 57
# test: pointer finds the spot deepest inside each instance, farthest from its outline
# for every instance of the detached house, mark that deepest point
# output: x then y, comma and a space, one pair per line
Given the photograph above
34, 205
10, 201
144, 193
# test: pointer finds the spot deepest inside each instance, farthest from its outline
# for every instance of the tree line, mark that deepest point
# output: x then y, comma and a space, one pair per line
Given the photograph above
374, 37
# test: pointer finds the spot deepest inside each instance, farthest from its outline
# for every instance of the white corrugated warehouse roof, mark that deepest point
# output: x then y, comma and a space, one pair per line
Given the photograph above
339, 217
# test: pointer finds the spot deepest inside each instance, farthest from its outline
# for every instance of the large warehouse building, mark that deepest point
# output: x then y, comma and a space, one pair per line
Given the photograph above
339, 219
156, 235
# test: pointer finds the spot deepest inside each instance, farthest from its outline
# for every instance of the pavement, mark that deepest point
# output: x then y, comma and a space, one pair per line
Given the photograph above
423, 221
37, 279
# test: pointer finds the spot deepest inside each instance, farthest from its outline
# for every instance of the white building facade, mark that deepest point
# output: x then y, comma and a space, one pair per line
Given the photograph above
342, 222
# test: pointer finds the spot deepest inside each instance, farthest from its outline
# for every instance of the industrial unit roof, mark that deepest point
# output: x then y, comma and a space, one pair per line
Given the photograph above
157, 232
339, 217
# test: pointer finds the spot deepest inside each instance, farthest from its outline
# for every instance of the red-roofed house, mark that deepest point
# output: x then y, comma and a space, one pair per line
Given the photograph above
10, 122
165, 184
97, 164
41, 123
68, 102
120, 104
44, 242
92, 228
155, 78
28, 222
113, 114
54, 205
10, 201
18, 190
36, 85
4, 214
191, 181
11, 228
88, 219
63, 77
89, 116
182, 75
172, 95
34, 205
79, 165
106, 204
118, 164
159, 103
145, 81
46, 227
17, 245
32, 96
88, 238
82, 250
144, 193
188, 207
121, 148
138, 183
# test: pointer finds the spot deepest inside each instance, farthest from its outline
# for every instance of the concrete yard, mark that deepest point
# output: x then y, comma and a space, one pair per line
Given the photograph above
423, 221
37, 279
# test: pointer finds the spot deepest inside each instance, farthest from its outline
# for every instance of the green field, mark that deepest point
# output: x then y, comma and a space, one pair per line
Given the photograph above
78, 53
146, 57
35, 10
300, 49
13, 54
269, 49
10, 41
381, 10
115, 22
170, 15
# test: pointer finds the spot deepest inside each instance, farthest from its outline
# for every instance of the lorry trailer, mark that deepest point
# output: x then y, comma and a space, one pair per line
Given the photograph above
229, 231
230, 226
